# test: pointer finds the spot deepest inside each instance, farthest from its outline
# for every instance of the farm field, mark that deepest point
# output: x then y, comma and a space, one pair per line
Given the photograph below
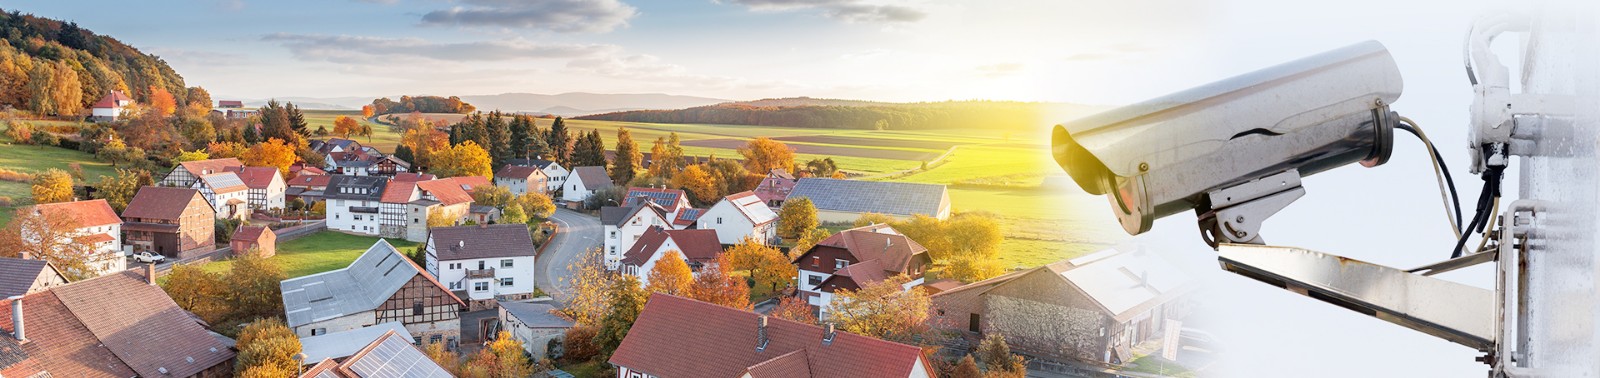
317, 253
382, 138
34, 159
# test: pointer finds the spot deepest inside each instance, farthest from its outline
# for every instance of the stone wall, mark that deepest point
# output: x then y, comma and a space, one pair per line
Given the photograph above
1046, 329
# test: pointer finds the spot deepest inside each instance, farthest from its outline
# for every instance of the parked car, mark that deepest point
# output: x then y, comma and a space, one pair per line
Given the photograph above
147, 257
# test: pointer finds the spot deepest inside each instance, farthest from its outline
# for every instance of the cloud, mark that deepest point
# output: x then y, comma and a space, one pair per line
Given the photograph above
593, 16
858, 11
1000, 69
646, 67
377, 50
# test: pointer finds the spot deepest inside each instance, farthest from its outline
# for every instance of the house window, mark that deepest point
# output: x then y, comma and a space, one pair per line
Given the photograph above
455, 285
505, 263
816, 261
480, 264
613, 234
972, 324
435, 339
840, 263
480, 286
506, 281
417, 340
719, 220
416, 308
813, 280
319, 331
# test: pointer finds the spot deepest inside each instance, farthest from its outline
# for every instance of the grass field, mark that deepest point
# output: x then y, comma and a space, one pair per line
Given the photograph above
34, 159
317, 253
382, 138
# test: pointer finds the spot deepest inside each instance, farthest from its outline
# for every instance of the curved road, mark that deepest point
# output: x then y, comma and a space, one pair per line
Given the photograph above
578, 232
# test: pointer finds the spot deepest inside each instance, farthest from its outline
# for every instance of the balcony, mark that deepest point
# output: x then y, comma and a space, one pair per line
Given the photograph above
480, 273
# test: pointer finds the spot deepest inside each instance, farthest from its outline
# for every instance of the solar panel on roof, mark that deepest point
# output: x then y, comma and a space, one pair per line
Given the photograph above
395, 358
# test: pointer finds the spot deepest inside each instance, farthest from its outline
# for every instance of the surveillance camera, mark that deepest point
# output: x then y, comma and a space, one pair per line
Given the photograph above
1235, 150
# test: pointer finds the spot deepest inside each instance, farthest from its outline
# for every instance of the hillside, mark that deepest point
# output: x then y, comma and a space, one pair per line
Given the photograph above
54, 67
861, 115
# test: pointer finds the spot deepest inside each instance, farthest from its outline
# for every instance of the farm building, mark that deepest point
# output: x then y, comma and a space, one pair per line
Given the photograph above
174, 222
259, 238
739, 216
380, 286
391, 355
341, 345
845, 200
27, 276
533, 324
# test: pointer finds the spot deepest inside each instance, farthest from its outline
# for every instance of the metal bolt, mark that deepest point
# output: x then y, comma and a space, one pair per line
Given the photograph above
1240, 233
1144, 167
1239, 219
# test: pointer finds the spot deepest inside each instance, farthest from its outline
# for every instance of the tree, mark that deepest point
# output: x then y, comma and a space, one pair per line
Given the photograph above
497, 196
997, 358
424, 142
497, 137
810, 239
882, 310
252, 134
502, 358
588, 286
967, 368
762, 155
666, 157
198, 291
560, 141
928, 231
970, 268
671, 275
115, 151
465, 159
267, 342
731, 177
538, 206
521, 135
199, 97
253, 281
795, 309
51, 237
797, 217
274, 153
589, 150
222, 150
367, 111
187, 156
716, 285
162, 101
442, 217
766, 264
976, 234
513, 214
628, 160
700, 185
344, 126
450, 361
625, 302
578, 343
824, 167
119, 189
53, 185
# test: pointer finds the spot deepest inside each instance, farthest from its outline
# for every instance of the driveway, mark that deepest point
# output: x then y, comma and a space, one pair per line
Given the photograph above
579, 232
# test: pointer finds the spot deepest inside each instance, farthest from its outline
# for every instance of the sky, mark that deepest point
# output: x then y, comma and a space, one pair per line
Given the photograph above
1090, 52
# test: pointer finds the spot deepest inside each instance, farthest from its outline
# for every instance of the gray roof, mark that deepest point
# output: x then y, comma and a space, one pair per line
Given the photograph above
17, 275
893, 198
593, 177
339, 345
393, 356
535, 315
362, 286
612, 215
481, 241
369, 188
537, 163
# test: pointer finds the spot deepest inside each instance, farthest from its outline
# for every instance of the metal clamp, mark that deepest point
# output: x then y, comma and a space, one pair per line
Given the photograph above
1236, 213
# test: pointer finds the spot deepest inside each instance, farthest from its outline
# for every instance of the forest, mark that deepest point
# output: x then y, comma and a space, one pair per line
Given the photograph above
50, 67
857, 115
419, 104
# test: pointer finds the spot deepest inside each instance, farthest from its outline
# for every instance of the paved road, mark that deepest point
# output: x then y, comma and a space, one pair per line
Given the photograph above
579, 232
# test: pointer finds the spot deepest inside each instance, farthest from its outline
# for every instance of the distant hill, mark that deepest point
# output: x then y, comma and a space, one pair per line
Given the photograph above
565, 104
80, 66
808, 101
855, 114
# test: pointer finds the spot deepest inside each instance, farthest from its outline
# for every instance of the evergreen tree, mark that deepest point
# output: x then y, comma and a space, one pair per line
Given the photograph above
455, 134
498, 136
521, 136
404, 152
251, 135
560, 141
539, 143
628, 157
589, 150
297, 121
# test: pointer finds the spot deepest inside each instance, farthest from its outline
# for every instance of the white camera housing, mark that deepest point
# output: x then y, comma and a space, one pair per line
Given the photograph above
1164, 156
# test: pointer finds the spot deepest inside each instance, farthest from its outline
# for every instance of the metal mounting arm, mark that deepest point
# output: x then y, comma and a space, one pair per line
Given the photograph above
1236, 213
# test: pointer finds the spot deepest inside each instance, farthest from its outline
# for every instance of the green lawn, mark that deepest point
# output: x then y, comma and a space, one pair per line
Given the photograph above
382, 138
1154, 364
34, 159
587, 369
317, 253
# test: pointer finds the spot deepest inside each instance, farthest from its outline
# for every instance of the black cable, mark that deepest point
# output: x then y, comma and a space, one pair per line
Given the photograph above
1450, 182
1491, 191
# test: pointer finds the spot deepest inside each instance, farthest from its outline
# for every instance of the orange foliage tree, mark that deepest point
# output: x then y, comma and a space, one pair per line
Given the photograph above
273, 153
163, 101
671, 275
702, 187
762, 155
344, 126
715, 285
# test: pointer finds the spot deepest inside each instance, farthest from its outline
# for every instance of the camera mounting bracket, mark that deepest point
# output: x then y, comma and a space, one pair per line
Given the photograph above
1236, 213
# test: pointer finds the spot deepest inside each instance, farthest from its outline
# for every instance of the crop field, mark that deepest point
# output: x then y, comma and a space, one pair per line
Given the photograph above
382, 138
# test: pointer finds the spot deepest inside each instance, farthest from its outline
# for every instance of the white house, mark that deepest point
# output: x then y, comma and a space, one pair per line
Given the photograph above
110, 107
672, 201
739, 216
267, 187
226, 193
552, 170
855, 258
483, 263
623, 226
519, 180
697, 248
533, 324
185, 174
95, 224
380, 286
584, 182
353, 203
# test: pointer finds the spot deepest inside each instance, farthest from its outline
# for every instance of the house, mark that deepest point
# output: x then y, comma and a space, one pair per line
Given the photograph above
412, 177
391, 355
680, 337
774, 188
552, 170
1099, 306
697, 248
267, 189
533, 324
174, 222
483, 214
259, 238
354, 202
354, 163
451, 197
332, 145
686, 218
338, 346
740, 216
226, 193
845, 200
117, 325
110, 107
855, 258
519, 180
671, 200
623, 226
230, 104
93, 224
300, 169
233, 109
483, 264
186, 173
380, 286
27, 276
308, 188
584, 182
389, 165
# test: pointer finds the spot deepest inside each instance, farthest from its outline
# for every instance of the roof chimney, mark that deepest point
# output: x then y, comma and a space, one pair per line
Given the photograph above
16, 318
761, 333
828, 333
150, 273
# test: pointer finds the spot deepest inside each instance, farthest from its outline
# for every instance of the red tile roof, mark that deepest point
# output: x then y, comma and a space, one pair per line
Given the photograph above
89, 213
93, 239
412, 177
894, 251
448, 191
517, 172
862, 273
308, 181
793, 364
680, 337
205, 167
301, 169
257, 177
251, 233
398, 192
159, 202
471, 182
111, 99
697, 245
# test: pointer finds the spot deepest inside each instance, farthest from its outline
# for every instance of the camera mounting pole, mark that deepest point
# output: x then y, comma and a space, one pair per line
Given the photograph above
1236, 213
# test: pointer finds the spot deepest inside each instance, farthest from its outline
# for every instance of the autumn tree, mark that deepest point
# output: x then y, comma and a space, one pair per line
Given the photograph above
967, 368
625, 302
274, 153
807, 241
628, 160
223, 150
118, 189
768, 266
513, 214
186, 156
52, 237
927, 231
490, 195
267, 342
716, 285
439, 216
975, 234
162, 101
700, 185
588, 286
465, 159
997, 358
203, 293
797, 217
445, 358
731, 177
253, 283
762, 155
50, 186
367, 111
199, 97
424, 143
824, 168
666, 157
538, 206
970, 268
344, 126
116, 151
578, 343
671, 275
794, 308
883, 310
502, 358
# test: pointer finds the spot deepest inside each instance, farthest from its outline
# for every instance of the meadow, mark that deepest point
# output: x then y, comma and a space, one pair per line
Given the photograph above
34, 159
317, 253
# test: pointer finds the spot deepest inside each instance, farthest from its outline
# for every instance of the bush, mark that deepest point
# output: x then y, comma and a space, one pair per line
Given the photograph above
7, 201
19, 132
14, 176
579, 344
